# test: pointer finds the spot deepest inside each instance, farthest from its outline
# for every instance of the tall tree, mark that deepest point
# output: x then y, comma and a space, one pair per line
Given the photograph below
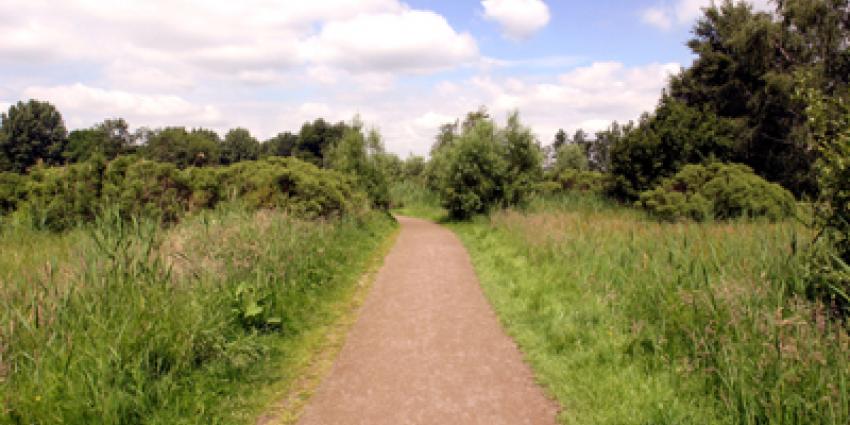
31, 132
108, 139
239, 145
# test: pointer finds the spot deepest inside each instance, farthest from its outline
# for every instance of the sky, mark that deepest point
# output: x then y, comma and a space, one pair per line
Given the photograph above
404, 67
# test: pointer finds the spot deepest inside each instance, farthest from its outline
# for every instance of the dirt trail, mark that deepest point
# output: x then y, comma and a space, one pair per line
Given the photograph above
427, 348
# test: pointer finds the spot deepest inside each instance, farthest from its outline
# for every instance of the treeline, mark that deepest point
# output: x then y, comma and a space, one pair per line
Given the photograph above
759, 121
58, 179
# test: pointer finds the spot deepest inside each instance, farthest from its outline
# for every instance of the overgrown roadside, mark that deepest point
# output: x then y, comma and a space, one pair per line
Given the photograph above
314, 352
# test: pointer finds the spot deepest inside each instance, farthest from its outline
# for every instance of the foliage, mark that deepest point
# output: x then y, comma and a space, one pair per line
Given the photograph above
582, 181
183, 148
107, 139
316, 138
662, 143
718, 191
633, 321
292, 185
472, 173
239, 145
30, 133
485, 166
570, 157
58, 198
363, 158
830, 123
11, 191
129, 323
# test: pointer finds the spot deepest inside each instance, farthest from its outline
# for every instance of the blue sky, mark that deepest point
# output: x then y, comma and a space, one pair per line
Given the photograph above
404, 66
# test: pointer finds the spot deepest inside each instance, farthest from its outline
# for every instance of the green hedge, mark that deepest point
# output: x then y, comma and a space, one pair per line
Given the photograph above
717, 191
57, 198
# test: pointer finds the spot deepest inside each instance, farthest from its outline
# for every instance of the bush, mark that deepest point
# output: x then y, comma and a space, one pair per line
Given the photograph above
583, 181
719, 191
11, 191
60, 197
140, 187
472, 173
293, 185
665, 142
484, 166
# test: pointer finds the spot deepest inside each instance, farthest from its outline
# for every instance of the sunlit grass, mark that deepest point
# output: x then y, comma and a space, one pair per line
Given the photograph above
127, 323
626, 320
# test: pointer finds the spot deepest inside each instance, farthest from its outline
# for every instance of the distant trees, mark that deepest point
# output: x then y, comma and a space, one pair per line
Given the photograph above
239, 145
29, 133
183, 148
107, 139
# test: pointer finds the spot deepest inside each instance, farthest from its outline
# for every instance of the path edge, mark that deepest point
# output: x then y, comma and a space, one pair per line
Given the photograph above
289, 405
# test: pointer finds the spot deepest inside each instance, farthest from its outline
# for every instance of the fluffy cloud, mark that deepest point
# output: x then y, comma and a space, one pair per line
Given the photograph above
412, 40
87, 105
684, 12
249, 40
519, 19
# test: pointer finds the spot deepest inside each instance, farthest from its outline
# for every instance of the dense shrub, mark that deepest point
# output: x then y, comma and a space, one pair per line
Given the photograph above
60, 197
830, 258
663, 143
583, 181
472, 172
146, 188
719, 191
11, 191
485, 166
291, 184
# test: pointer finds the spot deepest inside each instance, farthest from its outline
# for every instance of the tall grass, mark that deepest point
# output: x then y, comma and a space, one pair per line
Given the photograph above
415, 199
123, 322
630, 321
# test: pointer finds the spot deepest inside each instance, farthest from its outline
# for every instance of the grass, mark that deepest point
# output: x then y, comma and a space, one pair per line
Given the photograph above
205, 322
415, 200
626, 320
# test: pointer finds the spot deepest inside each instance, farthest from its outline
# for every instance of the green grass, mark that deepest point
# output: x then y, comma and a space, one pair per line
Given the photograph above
626, 320
127, 323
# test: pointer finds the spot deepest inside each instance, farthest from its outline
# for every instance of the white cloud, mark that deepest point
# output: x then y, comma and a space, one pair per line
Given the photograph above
87, 105
657, 17
412, 40
519, 19
684, 12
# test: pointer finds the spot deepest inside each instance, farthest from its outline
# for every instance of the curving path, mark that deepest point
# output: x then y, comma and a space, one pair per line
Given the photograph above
427, 348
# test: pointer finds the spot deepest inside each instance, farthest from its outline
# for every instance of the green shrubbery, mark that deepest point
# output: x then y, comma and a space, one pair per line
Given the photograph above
129, 323
581, 180
484, 166
58, 198
718, 191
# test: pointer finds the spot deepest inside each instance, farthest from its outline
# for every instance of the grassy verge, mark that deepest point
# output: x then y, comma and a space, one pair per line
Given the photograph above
126, 323
630, 321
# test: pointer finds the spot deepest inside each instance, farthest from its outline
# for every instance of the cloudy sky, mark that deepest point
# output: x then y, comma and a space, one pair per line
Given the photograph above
404, 66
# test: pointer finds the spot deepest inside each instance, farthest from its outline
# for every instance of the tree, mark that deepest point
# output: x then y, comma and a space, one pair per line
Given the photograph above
239, 146
280, 145
471, 175
561, 139
316, 138
570, 157
108, 139
363, 157
523, 158
662, 143
29, 133
177, 146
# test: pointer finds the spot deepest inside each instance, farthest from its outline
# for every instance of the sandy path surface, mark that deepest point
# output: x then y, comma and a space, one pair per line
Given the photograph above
427, 348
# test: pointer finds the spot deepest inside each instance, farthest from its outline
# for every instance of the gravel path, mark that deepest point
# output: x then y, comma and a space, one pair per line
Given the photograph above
427, 348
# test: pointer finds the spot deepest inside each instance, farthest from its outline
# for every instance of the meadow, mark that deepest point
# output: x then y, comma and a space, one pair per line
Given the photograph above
629, 320
206, 321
